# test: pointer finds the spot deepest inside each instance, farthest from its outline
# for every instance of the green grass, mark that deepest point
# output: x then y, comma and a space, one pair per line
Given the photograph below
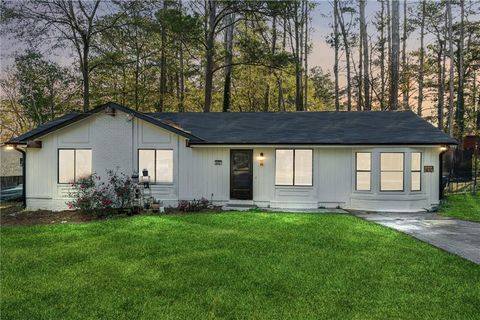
462, 206
233, 266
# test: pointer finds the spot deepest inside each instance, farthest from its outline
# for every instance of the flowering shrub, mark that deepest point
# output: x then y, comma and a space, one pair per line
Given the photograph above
90, 194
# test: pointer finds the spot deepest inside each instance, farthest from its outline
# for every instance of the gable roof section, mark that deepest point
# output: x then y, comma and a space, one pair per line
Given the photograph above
73, 117
314, 128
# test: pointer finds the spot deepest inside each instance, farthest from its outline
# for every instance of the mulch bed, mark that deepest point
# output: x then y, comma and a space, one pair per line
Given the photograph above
11, 214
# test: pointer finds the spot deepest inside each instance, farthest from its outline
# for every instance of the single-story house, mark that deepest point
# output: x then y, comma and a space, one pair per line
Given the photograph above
383, 161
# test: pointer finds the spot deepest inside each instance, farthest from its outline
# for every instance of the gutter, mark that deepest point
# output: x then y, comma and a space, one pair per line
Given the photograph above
440, 172
24, 174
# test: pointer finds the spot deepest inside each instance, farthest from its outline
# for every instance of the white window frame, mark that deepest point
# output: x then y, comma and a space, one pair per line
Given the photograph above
293, 168
380, 171
154, 176
74, 163
370, 171
419, 170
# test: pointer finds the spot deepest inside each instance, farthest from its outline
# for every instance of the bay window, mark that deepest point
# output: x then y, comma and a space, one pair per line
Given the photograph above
391, 171
294, 167
159, 164
74, 164
363, 163
416, 172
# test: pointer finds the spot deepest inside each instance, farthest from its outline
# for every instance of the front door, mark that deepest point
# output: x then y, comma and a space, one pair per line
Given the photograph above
241, 174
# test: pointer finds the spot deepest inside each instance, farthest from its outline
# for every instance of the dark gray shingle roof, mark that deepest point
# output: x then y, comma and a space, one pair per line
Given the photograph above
46, 126
344, 128
334, 128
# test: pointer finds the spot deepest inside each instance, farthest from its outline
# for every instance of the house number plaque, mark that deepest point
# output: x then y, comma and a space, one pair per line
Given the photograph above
218, 162
428, 169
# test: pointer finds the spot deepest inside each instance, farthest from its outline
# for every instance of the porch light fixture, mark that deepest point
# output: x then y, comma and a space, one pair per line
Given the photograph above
261, 159
9, 147
443, 148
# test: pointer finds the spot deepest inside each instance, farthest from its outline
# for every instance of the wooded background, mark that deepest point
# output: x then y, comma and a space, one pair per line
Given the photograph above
241, 56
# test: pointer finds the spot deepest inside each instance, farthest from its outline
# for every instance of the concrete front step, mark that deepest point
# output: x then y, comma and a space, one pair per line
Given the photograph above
239, 205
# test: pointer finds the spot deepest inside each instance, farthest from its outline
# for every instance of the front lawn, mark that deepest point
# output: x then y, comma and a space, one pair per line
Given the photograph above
231, 265
462, 206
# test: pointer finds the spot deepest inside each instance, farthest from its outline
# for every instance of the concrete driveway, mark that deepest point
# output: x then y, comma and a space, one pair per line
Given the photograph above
456, 236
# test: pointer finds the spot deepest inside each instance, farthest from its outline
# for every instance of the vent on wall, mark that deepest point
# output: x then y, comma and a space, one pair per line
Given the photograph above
110, 111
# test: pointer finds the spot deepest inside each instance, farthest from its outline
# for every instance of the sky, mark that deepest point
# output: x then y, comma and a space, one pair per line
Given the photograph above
322, 54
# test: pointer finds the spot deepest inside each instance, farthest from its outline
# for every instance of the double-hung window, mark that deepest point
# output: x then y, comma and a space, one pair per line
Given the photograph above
391, 171
416, 172
363, 163
74, 164
159, 164
294, 167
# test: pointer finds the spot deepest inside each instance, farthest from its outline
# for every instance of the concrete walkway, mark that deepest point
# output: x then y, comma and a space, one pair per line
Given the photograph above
456, 236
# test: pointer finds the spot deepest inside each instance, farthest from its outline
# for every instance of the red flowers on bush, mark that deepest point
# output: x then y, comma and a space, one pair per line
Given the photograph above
93, 195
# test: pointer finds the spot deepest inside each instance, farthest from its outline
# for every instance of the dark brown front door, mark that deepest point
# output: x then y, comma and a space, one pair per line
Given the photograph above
241, 174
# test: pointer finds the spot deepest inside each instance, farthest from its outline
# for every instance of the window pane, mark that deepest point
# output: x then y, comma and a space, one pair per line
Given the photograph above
303, 167
66, 166
146, 160
416, 161
165, 166
363, 161
284, 167
391, 181
83, 163
363, 181
416, 181
391, 161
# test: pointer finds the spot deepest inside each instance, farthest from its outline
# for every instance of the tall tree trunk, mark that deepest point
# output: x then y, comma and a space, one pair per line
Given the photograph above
461, 76
347, 59
405, 77
181, 104
86, 78
336, 45
382, 56
210, 52
281, 99
452, 71
366, 77
266, 102
163, 64
422, 61
228, 44
394, 60
389, 33
360, 73
305, 52
298, 61
440, 83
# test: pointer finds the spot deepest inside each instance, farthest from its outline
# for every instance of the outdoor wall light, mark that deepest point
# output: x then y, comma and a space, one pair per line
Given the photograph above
261, 159
443, 148
9, 147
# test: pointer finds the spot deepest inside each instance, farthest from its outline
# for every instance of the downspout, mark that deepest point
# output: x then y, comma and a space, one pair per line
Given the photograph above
24, 174
443, 150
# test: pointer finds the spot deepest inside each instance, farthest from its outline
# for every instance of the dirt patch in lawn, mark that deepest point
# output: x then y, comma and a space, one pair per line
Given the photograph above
11, 213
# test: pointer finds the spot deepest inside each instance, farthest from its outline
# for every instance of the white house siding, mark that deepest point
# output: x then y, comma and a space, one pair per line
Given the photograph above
115, 141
